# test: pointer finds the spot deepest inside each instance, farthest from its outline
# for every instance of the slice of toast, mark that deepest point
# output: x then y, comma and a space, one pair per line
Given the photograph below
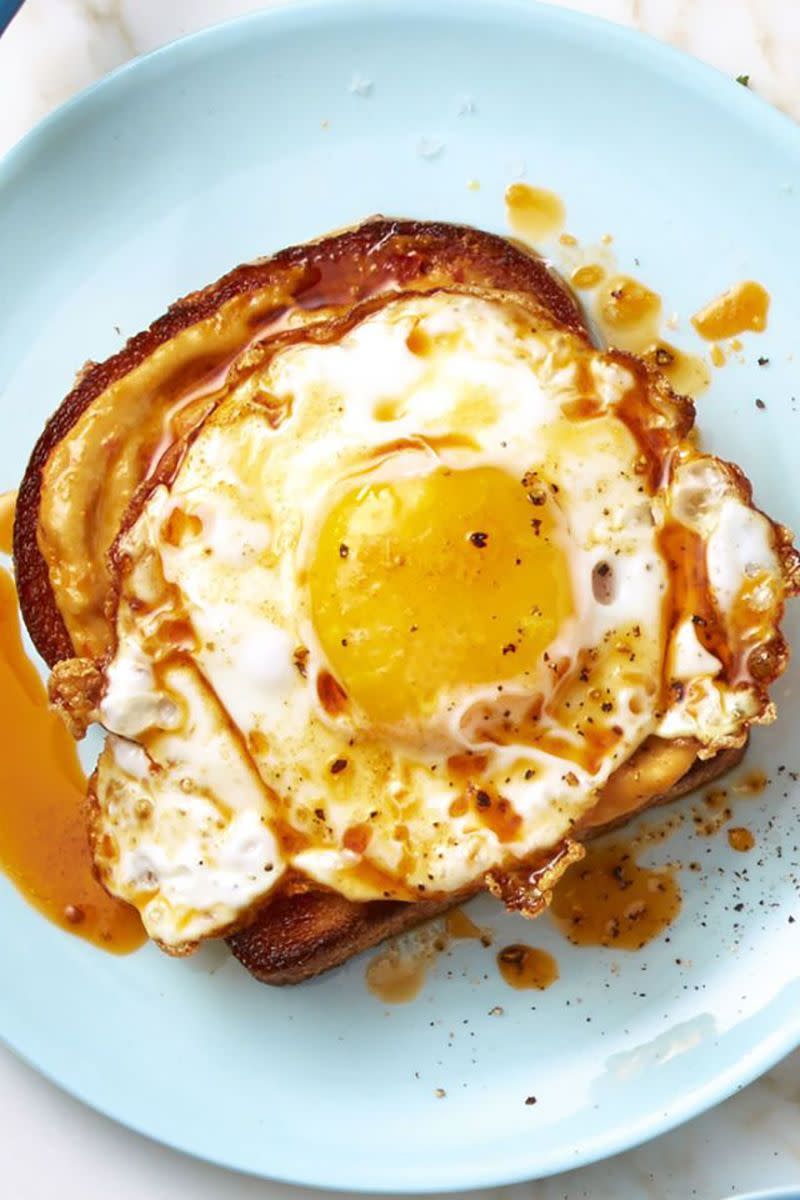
102, 446
299, 936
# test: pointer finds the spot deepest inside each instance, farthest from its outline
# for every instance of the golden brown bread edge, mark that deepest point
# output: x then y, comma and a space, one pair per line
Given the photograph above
298, 935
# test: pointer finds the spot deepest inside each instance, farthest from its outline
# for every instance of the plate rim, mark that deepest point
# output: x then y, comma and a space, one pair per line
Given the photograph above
308, 11
293, 16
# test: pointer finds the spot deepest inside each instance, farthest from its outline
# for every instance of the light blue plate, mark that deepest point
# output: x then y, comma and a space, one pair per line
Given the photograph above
232, 144
777, 1194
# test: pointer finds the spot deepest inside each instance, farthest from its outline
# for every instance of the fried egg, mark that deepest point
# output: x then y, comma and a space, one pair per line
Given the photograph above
418, 585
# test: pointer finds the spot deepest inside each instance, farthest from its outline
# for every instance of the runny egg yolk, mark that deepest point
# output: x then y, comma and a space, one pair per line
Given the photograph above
429, 583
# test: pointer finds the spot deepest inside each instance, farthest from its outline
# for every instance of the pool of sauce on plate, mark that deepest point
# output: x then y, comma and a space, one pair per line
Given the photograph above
688, 373
44, 849
714, 813
743, 307
525, 967
752, 783
397, 973
534, 214
587, 277
608, 899
741, 839
396, 978
8, 503
628, 315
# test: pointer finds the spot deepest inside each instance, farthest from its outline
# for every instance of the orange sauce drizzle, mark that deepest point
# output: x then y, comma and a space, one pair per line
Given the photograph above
628, 313
533, 213
752, 784
527, 967
688, 373
332, 695
44, 848
372, 877
461, 927
396, 978
585, 278
397, 973
590, 753
629, 316
714, 814
607, 899
419, 341
690, 590
743, 307
741, 839
8, 503
495, 812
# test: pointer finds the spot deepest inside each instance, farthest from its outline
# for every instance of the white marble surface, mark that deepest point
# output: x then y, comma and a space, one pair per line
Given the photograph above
52, 1144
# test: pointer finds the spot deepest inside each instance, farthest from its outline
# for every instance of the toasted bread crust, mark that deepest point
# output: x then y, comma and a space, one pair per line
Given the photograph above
333, 273
298, 936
